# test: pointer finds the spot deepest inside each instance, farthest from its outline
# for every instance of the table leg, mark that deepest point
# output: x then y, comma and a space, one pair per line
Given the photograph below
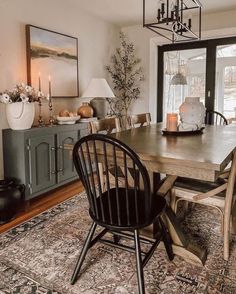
181, 246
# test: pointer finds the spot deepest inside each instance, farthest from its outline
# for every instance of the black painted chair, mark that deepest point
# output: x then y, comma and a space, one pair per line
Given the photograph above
215, 118
121, 210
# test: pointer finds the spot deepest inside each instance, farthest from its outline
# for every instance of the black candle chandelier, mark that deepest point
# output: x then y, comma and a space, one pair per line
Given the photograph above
173, 16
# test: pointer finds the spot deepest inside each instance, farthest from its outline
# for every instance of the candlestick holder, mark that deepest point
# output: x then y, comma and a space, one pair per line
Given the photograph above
51, 119
40, 119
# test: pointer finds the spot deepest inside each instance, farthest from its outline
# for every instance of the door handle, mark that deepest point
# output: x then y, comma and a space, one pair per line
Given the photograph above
60, 148
52, 154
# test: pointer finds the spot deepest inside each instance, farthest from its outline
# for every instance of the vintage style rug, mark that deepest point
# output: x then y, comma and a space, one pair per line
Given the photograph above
39, 256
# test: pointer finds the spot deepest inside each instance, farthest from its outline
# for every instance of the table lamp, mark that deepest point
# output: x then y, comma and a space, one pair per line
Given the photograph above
99, 90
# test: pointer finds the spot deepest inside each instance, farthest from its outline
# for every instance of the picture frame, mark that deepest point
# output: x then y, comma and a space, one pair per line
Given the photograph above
52, 58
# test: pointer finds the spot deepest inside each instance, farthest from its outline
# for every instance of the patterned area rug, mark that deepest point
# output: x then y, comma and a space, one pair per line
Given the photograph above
39, 256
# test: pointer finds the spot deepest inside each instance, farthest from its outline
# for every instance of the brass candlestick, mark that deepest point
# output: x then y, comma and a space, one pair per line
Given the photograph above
40, 96
40, 119
51, 119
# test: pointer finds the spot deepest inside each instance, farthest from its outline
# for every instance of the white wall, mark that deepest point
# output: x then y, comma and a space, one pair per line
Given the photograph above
213, 25
97, 40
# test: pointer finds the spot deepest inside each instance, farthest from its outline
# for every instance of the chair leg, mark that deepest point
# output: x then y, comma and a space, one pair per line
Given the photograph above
226, 236
116, 238
186, 207
139, 263
222, 224
172, 199
83, 253
177, 203
167, 241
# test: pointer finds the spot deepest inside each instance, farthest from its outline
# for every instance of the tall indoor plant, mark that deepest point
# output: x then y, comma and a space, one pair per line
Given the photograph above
126, 74
20, 109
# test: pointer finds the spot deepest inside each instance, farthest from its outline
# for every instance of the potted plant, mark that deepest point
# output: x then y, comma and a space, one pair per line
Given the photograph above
126, 74
20, 109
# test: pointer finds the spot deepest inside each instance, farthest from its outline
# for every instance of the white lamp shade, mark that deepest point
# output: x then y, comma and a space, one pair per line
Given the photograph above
98, 88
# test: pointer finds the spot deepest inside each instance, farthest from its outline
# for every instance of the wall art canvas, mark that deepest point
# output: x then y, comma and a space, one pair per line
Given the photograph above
52, 55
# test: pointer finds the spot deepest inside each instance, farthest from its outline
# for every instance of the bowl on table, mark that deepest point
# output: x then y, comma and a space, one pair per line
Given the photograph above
67, 120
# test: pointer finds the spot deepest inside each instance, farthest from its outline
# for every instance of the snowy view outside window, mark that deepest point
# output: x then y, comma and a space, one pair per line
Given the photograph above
192, 66
226, 80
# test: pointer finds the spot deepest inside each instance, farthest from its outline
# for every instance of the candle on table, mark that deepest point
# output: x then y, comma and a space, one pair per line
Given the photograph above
171, 122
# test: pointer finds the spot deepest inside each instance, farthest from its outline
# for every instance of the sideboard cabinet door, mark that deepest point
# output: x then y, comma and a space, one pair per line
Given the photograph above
42, 164
37, 158
65, 169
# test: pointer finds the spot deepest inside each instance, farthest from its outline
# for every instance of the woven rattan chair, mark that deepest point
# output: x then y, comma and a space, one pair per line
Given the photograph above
219, 195
107, 125
139, 120
120, 210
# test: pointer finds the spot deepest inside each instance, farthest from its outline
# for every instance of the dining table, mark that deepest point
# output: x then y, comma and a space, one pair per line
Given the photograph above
198, 155
201, 155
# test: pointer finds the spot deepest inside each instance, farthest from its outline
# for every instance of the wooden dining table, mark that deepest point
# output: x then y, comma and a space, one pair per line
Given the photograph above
199, 156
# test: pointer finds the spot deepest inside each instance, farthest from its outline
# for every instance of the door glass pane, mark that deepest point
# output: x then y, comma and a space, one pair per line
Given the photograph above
226, 80
184, 75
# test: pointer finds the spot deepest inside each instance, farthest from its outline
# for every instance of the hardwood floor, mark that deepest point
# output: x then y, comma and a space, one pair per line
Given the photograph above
44, 202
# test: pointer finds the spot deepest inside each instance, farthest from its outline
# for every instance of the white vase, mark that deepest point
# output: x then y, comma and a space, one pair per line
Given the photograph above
20, 115
192, 112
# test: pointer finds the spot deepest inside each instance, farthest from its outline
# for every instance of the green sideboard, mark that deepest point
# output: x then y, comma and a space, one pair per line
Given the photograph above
37, 158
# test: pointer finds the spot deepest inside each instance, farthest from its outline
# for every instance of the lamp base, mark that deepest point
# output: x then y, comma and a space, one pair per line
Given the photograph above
100, 106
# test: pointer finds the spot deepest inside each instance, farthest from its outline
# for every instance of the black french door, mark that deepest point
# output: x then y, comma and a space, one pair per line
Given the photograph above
209, 66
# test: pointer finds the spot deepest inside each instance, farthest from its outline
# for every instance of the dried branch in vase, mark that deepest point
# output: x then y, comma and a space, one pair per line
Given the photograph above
126, 74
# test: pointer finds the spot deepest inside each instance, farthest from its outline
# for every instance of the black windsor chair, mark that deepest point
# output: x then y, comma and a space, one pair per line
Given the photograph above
121, 210
215, 118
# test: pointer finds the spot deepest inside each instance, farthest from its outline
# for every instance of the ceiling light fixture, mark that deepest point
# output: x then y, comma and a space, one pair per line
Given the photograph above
173, 16
180, 76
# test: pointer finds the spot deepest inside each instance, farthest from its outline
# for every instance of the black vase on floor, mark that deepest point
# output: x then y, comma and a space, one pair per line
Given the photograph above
11, 197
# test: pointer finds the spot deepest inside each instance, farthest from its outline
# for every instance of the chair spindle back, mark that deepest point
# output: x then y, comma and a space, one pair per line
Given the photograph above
118, 206
215, 118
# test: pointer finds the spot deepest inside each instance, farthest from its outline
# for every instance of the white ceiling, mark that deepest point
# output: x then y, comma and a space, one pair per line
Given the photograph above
129, 12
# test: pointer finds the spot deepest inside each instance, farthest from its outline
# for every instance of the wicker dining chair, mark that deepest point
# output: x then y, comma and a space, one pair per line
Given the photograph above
139, 120
106, 125
220, 195
215, 118
120, 210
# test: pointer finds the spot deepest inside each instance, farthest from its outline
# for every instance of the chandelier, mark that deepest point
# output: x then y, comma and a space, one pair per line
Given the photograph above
173, 17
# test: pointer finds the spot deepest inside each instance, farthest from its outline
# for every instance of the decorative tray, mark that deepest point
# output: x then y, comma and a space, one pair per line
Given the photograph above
67, 120
182, 133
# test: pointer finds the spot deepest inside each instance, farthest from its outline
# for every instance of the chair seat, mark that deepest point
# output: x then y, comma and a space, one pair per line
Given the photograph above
198, 185
157, 207
187, 188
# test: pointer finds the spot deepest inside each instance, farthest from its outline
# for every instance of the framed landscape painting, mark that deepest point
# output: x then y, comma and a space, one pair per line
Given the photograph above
54, 56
